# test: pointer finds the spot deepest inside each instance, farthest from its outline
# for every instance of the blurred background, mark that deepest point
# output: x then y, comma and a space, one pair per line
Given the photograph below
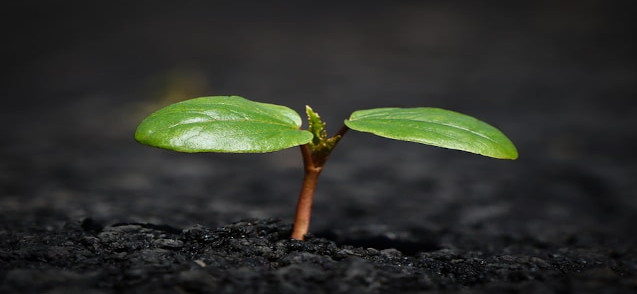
558, 77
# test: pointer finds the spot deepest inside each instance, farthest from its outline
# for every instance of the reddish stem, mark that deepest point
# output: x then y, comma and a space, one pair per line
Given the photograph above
341, 132
304, 205
313, 165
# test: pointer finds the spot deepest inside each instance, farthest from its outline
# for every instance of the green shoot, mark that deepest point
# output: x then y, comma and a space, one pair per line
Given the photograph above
237, 125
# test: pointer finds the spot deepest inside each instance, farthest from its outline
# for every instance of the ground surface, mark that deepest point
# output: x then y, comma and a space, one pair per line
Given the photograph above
84, 209
257, 256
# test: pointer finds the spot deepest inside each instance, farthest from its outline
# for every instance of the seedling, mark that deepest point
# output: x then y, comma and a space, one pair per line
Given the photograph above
237, 125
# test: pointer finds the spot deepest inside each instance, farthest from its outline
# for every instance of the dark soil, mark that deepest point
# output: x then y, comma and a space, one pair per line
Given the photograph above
257, 256
85, 209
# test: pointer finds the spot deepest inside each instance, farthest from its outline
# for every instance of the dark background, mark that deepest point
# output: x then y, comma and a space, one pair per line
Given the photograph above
558, 77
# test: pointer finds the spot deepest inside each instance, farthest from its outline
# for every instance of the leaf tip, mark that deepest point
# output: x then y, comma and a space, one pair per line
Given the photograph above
509, 151
514, 154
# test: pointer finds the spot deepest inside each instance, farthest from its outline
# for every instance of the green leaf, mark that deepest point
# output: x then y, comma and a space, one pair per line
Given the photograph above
223, 124
434, 126
315, 126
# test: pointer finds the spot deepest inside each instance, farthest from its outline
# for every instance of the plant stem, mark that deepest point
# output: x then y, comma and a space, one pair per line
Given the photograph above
313, 162
304, 205
341, 132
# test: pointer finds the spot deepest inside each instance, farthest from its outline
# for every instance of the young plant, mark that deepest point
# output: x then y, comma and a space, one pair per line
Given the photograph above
237, 125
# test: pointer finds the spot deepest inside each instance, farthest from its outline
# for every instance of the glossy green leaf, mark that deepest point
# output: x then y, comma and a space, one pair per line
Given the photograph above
434, 126
223, 124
